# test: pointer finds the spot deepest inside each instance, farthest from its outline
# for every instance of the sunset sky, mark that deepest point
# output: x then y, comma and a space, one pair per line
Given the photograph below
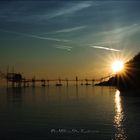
67, 38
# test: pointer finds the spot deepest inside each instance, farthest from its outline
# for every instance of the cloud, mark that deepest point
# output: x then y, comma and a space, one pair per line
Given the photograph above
74, 7
122, 31
105, 48
68, 48
67, 30
117, 36
35, 36
106, 42
48, 38
40, 11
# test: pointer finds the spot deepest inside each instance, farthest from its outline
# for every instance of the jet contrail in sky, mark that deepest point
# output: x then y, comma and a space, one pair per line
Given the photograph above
105, 48
68, 48
35, 36
67, 30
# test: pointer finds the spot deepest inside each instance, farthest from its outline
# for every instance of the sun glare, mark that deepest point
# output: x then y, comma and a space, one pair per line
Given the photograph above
117, 66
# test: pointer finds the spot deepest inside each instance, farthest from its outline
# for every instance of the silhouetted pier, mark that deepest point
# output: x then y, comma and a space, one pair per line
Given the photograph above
46, 82
17, 80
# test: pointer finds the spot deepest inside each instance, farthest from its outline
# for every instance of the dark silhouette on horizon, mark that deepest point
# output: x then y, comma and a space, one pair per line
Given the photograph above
129, 79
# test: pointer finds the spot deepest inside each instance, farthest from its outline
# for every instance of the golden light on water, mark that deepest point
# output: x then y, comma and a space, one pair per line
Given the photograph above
119, 118
118, 102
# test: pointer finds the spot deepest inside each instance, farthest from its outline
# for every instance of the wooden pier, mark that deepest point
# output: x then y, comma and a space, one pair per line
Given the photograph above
17, 80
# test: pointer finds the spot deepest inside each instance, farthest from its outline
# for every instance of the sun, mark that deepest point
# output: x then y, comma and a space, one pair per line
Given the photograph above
117, 66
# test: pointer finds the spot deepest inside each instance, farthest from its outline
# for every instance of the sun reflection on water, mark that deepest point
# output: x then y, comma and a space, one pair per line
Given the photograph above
119, 118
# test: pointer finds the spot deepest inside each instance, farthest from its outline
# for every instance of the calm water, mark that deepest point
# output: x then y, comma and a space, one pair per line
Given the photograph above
97, 113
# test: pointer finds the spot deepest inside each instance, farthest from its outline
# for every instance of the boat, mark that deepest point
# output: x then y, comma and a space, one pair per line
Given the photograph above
58, 84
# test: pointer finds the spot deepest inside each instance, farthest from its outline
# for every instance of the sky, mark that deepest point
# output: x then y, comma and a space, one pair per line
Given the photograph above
65, 38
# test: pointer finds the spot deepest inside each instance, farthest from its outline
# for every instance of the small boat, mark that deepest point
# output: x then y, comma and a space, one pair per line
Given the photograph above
58, 84
87, 84
43, 85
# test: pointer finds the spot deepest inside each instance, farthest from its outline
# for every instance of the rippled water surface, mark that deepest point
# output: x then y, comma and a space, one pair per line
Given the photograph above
68, 113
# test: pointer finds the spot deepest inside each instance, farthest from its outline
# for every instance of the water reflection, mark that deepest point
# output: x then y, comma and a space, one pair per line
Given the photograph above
14, 94
119, 118
77, 94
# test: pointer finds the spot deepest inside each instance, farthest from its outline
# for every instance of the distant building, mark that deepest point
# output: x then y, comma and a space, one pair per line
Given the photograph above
14, 77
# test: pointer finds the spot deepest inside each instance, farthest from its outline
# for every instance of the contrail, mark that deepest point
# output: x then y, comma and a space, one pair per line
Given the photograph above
68, 48
67, 30
105, 48
35, 36
71, 9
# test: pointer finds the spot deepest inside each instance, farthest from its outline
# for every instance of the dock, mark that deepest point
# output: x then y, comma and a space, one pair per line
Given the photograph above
18, 80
